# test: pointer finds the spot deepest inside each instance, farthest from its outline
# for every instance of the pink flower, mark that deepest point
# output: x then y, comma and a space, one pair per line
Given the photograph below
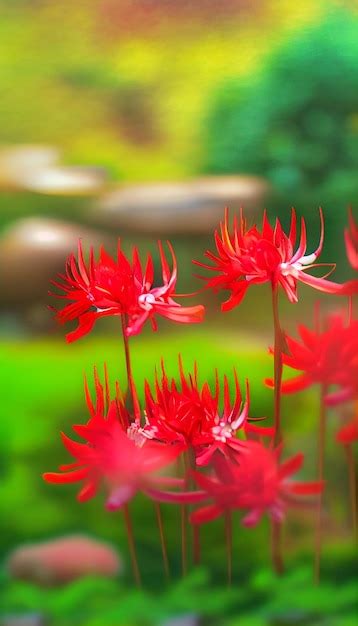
120, 287
246, 256
351, 238
328, 357
256, 483
348, 433
194, 416
110, 458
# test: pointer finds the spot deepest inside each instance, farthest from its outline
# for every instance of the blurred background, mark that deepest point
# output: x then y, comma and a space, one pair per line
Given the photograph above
143, 119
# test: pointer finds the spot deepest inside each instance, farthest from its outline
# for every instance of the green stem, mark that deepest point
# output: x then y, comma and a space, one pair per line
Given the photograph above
320, 475
184, 523
184, 539
196, 541
277, 366
134, 405
162, 539
276, 552
352, 487
132, 548
228, 539
277, 560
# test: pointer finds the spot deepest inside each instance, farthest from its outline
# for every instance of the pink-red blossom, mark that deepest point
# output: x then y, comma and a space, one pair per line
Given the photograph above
351, 239
110, 458
109, 286
256, 484
348, 433
197, 417
328, 356
246, 256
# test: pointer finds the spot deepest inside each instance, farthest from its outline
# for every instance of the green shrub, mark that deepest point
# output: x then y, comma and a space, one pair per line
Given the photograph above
296, 124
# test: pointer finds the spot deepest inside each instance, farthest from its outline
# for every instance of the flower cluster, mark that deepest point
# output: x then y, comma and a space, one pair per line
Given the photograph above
125, 456
188, 442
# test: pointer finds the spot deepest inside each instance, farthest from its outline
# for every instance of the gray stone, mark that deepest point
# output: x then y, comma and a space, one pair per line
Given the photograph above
37, 168
193, 207
32, 251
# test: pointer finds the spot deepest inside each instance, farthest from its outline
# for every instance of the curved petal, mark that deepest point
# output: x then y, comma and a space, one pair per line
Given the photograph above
205, 514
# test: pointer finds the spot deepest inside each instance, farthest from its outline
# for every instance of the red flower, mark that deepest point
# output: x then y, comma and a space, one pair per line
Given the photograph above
120, 287
348, 433
111, 458
191, 415
256, 483
351, 237
328, 357
248, 256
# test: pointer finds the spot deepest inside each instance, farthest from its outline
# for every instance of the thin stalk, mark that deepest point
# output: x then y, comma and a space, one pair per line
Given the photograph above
350, 309
228, 539
277, 366
352, 487
131, 386
132, 548
276, 526
184, 539
197, 546
320, 475
162, 539
190, 464
276, 553
184, 523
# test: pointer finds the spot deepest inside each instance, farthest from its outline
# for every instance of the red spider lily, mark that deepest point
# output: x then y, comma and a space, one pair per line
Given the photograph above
351, 238
348, 389
120, 287
256, 483
348, 433
190, 415
247, 256
111, 458
328, 357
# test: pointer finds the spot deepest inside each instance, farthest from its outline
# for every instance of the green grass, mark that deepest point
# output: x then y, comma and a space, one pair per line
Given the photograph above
261, 599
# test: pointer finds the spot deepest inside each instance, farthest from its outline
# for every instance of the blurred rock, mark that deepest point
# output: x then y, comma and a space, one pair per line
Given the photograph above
66, 181
61, 560
32, 251
178, 208
20, 162
249, 192
37, 168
